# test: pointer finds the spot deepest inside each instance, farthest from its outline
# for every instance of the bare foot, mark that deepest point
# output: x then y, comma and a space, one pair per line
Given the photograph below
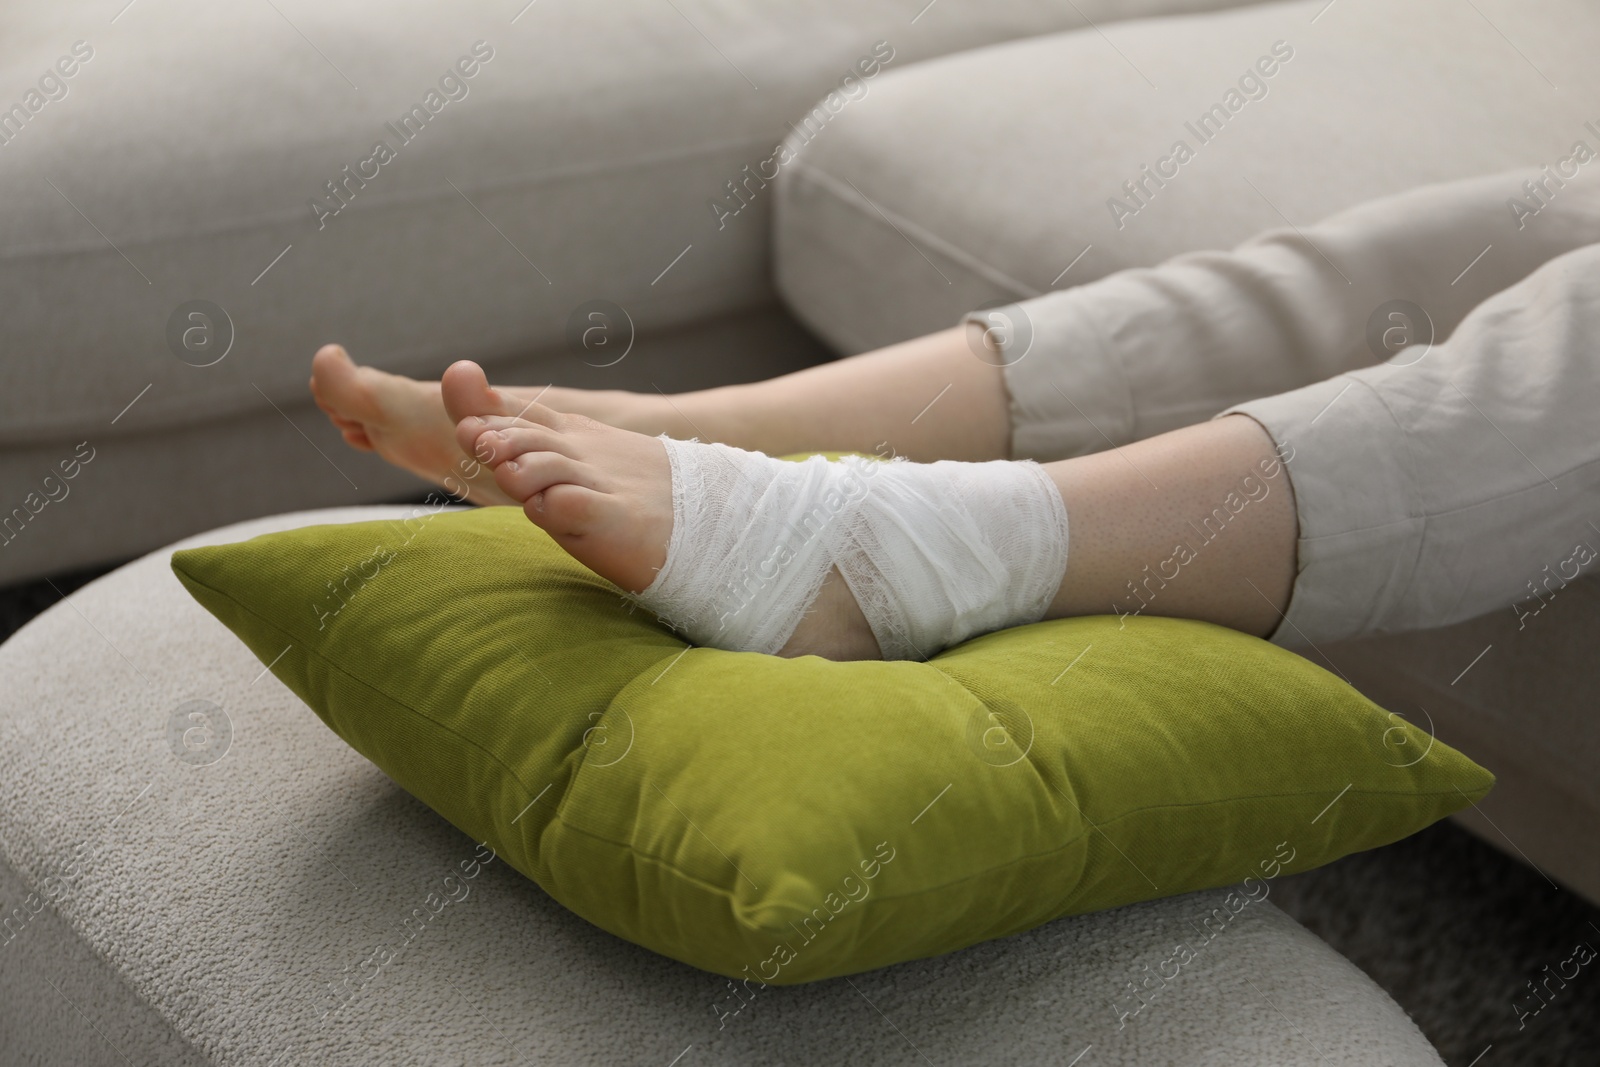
601, 493
604, 494
402, 420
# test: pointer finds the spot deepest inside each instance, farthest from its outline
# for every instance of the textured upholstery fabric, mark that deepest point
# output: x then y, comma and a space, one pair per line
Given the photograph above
48, 975
227, 898
980, 177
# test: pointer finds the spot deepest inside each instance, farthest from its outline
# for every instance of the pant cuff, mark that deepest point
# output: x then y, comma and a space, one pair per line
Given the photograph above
1068, 397
1361, 523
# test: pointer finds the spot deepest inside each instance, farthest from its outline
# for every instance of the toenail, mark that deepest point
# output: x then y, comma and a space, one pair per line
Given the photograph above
511, 465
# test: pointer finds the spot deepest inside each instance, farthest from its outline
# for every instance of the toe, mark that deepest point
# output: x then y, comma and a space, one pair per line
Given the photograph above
529, 476
337, 385
467, 392
495, 440
356, 438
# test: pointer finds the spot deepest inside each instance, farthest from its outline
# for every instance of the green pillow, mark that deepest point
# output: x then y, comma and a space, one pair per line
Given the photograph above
785, 820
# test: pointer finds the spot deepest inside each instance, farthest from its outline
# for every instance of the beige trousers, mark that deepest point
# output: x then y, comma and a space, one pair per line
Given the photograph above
1435, 360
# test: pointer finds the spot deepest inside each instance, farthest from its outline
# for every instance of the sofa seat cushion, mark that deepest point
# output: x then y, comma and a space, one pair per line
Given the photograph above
243, 888
982, 177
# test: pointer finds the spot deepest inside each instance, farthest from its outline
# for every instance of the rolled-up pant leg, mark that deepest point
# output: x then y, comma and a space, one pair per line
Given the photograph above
1145, 351
1464, 482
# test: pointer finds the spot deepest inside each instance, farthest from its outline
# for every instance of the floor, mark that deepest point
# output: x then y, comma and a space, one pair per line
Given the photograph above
1455, 929
1451, 927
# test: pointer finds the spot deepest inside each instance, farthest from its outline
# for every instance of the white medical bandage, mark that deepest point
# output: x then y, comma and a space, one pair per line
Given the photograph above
934, 553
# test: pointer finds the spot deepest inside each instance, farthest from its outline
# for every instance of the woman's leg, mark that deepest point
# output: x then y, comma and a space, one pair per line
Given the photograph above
1127, 357
930, 397
1451, 481
1195, 523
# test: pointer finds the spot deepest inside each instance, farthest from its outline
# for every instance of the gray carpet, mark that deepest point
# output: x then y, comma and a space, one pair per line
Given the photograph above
1452, 928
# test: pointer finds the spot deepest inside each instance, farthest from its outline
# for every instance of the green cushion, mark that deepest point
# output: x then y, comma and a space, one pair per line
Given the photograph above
794, 819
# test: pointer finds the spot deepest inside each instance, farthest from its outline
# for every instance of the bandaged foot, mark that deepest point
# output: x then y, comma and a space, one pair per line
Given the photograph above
732, 548
934, 553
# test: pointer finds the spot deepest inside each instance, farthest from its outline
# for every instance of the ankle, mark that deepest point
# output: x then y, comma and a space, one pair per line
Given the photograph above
836, 558
721, 414
833, 627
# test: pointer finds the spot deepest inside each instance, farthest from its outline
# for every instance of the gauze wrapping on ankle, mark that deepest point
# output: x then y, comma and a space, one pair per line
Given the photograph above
934, 553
